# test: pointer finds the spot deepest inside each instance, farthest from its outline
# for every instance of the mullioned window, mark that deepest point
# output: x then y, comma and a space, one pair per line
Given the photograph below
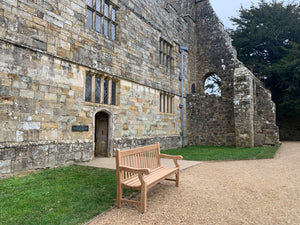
166, 103
165, 54
101, 16
100, 89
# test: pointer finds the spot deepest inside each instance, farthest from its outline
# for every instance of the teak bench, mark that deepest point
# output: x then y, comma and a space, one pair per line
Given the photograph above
140, 169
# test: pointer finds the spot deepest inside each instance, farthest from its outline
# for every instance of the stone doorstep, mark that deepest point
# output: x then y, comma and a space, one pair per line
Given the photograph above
110, 163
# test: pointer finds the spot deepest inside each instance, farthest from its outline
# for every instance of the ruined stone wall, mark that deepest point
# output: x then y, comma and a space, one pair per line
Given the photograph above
244, 114
243, 107
266, 131
210, 122
211, 118
255, 115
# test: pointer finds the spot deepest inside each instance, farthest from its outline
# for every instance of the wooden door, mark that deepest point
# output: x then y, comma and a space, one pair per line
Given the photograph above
101, 134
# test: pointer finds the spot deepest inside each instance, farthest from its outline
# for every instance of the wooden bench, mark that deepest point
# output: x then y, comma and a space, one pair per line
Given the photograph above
140, 169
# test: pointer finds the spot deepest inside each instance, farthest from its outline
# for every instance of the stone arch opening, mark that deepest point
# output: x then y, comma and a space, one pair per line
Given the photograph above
212, 84
102, 134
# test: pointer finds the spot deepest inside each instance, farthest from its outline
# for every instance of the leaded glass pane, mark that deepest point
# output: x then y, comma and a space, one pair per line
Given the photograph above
98, 5
113, 14
160, 101
105, 92
167, 61
106, 9
97, 89
167, 104
98, 23
89, 19
160, 57
105, 28
113, 93
89, 3
113, 31
164, 103
171, 105
88, 88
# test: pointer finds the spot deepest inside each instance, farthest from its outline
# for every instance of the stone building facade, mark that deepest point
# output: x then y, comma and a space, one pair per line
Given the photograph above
80, 79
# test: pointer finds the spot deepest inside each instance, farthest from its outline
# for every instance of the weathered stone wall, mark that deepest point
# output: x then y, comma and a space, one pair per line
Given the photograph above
211, 118
46, 49
266, 131
215, 53
243, 107
210, 121
59, 28
242, 116
15, 158
254, 110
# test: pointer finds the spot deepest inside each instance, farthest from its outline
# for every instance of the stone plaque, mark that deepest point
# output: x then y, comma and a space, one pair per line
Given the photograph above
80, 128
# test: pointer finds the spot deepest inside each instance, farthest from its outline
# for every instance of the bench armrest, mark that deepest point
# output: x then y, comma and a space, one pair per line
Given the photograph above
177, 157
174, 157
135, 170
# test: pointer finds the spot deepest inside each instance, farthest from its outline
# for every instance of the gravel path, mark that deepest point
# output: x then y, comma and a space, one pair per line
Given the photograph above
236, 192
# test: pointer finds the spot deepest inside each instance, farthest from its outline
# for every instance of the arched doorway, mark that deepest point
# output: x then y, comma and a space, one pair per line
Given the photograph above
101, 134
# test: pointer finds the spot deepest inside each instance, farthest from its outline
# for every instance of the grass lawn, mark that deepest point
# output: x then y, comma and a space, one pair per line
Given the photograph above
68, 195
76, 194
208, 153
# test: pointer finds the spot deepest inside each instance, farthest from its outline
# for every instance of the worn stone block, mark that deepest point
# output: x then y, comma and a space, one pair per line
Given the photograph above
4, 90
5, 166
39, 44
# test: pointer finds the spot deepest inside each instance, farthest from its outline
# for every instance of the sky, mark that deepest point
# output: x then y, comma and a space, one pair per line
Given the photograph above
226, 9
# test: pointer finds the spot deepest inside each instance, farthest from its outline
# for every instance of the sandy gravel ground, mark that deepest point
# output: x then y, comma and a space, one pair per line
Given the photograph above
236, 192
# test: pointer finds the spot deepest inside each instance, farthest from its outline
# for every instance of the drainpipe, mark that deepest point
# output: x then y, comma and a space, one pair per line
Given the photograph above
181, 106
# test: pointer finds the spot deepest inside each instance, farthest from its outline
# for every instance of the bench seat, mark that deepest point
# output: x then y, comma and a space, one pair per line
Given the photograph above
156, 175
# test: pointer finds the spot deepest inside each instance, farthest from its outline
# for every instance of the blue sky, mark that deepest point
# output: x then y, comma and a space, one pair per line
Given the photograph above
226, 9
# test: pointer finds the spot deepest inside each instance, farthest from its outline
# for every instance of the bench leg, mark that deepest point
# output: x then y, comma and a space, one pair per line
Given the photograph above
119, 195
177, 178
143, 198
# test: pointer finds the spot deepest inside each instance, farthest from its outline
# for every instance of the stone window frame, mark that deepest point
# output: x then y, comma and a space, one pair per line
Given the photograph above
166, 103
104, 13
101, 89
166, 58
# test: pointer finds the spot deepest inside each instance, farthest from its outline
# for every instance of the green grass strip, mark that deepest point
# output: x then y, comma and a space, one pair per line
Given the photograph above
209, 153
68, 195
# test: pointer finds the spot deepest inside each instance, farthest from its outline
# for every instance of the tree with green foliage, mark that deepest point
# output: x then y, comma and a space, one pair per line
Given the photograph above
267, 39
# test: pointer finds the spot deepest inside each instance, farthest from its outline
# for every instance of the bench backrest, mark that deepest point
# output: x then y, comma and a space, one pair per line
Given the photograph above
142, 157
